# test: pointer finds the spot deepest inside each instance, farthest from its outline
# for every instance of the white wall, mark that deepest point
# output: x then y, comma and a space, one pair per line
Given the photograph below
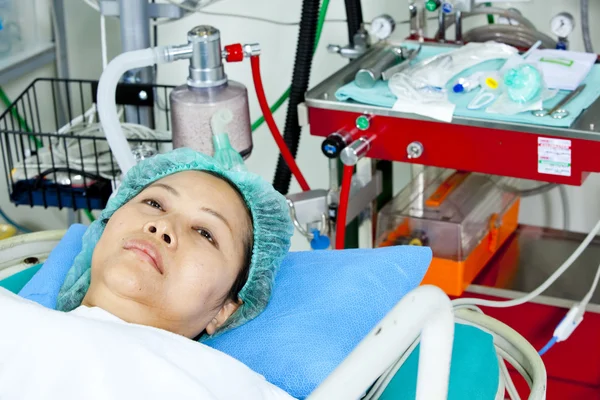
278, 44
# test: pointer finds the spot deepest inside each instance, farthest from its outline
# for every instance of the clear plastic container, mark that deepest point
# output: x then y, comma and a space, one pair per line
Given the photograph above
192, 109
446, 210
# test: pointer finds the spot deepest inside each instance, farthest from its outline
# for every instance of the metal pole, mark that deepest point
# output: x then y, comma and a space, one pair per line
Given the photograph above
458, 26
442, 25
62, 62
135, 35
61, 39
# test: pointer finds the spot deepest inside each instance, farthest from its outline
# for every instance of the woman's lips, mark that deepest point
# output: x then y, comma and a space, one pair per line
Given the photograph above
148, 251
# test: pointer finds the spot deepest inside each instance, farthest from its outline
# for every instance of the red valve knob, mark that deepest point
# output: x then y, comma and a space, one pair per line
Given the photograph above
234, 53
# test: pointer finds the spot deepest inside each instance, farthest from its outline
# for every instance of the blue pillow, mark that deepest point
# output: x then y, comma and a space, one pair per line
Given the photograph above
44, 286
323, 304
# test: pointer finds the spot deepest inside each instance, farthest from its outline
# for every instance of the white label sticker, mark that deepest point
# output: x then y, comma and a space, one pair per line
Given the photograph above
554, 156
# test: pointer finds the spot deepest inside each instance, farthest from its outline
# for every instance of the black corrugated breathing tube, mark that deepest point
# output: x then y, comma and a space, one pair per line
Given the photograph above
354, 18
300, 78
301, 75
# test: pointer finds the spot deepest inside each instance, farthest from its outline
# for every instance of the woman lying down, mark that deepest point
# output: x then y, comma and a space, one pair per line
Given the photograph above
184, 250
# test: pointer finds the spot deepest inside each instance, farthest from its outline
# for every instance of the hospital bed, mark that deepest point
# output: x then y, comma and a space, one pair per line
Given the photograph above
21, 257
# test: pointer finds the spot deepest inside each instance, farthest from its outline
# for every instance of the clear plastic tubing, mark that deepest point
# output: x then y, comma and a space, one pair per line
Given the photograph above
107, 108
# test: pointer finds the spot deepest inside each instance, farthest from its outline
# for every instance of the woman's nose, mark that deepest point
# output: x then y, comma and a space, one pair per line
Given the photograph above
163, 231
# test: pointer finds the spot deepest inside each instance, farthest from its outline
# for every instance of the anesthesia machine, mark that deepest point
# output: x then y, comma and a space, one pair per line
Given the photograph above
485, 115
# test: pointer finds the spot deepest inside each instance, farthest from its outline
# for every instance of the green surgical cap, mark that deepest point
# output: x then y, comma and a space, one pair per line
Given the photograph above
270, 214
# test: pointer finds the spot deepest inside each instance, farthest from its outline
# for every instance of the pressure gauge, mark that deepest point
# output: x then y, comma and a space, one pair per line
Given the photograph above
562, 24
383, 26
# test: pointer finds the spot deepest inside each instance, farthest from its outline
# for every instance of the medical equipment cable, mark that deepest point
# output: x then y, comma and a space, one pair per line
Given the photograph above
585, 25
495, 11
340, 231
354, 16
322, 20
573, 318
541, 189
103, 41
384, 380
265, 20
92, 4
509, 347
199, 5
241, 16
508, 382
510, 385
564, 199
303, 59
518, 366
286, 94
516, 36
522, 300
281, 100
500, 393
548, 345
322, 14
512, 347
13, 223
264, 105
523, 35
499, 344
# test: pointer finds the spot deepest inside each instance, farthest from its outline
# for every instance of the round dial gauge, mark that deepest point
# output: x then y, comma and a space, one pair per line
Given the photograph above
383, 26
562, 25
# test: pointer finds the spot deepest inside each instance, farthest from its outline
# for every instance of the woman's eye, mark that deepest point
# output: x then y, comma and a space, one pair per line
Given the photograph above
206, 234
153, 204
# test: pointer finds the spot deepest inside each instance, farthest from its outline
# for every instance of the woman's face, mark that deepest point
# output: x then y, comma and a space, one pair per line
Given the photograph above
169, 257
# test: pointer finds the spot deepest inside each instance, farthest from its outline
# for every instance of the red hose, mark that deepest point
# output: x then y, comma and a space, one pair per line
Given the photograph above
340, 230
264, 106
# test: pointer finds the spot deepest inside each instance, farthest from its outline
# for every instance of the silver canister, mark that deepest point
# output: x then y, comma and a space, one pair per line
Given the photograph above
370, 73
207, 91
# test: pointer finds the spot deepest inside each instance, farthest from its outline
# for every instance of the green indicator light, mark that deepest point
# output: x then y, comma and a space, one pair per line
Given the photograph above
362, 123
432, 5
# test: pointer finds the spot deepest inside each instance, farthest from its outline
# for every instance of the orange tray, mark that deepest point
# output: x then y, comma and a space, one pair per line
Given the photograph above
453, 277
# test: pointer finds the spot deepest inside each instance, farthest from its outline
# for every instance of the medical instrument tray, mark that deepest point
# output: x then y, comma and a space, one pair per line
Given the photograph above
49, 159
464, 217
469, 144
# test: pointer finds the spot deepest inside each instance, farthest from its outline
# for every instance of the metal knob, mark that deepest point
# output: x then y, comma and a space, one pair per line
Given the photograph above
333, 145
414, 150
355, 151
206, 65
251, 49
334, 48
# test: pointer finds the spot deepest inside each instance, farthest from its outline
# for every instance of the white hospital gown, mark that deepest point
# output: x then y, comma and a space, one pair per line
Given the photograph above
91, 354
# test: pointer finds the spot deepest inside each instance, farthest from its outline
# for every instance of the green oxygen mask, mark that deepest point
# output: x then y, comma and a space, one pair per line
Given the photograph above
523, 83
224, 154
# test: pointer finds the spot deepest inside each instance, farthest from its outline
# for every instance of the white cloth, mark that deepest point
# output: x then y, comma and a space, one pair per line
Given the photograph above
563, 69
91, 354
441, 111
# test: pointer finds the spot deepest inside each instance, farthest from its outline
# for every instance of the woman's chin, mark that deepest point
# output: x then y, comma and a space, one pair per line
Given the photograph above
129, 279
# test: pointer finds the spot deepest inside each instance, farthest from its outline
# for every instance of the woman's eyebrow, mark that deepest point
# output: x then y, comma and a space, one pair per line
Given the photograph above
168, 188
217, 215
207, 210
